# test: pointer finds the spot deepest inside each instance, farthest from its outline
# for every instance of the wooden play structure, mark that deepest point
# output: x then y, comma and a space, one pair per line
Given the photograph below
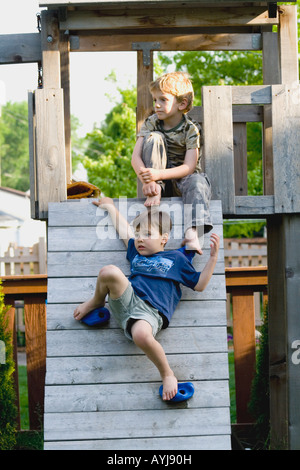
100, 392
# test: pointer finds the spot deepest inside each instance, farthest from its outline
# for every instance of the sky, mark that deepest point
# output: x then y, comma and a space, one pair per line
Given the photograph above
91, 94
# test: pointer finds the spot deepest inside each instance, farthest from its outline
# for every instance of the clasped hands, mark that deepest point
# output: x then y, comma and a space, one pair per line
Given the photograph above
149, 176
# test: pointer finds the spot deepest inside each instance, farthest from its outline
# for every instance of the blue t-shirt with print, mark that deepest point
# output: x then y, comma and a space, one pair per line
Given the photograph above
157, 278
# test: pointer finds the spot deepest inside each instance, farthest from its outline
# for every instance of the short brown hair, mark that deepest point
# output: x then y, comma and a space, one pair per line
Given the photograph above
177, 84
154, 218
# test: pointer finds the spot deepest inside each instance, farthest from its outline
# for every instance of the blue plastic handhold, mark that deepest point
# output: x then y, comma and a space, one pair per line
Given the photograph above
97, 317
185, 391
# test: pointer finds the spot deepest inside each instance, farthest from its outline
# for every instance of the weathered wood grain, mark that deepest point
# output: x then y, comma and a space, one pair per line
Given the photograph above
99, 342
140, 396
220, 442
121, 424
196, 313
133, 369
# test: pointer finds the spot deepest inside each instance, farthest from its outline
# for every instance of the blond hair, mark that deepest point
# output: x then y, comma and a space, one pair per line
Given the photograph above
177, 84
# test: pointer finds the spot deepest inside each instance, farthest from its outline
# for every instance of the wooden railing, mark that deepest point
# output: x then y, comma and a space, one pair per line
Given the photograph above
241, 284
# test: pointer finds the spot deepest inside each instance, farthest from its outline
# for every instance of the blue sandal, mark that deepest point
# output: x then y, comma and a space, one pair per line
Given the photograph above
185, 391
97, 317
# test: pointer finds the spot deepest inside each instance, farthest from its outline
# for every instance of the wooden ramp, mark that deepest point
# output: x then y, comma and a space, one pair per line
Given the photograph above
101, 390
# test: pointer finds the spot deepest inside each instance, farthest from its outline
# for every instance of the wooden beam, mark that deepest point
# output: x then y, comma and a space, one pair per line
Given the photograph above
243, 319
166, 18
20, 48
102, 3
284, 329
286, 147
50, 149
218, 152
288, 44
168, 42
50, 50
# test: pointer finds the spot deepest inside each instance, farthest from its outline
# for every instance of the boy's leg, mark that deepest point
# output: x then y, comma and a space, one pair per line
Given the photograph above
142, 336
196, 194
154, 155
112, 281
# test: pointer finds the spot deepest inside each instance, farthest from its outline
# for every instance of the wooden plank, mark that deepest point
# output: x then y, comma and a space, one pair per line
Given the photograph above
154, 423
240, 158
103, 3
67, 263
50, 50
218, 153
167, 42
81, 212
32, 154
95, 239
251, 94
143, 396
240, 113
243, 318
50, 148
258, 206
180, 18
220, 442
196, 313
133, 369
286, 147
112, 342
288, 44
35, 334
20, 48
71, 290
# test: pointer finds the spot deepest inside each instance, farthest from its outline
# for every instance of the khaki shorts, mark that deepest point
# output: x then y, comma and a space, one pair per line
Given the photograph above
130, 307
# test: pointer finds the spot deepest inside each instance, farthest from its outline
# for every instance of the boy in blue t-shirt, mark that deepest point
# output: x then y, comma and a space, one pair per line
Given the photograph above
144, 303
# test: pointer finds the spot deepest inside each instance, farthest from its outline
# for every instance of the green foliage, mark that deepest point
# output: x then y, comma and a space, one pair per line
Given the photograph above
109, 149
259, 405
14, 146
8, 411
243, 229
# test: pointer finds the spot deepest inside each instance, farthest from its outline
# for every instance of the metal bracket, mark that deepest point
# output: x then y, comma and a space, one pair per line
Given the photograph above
146, 47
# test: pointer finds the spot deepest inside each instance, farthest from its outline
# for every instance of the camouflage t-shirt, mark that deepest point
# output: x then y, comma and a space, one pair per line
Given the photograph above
186, 135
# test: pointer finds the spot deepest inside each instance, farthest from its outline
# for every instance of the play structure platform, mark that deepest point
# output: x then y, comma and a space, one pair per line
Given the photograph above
101, 391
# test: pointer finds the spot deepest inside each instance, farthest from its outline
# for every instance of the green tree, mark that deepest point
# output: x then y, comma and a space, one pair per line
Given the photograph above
14, 146
109, 149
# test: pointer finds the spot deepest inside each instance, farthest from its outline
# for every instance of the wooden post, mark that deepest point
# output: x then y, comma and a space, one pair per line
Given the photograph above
243, 318
284, 330
64, 45
35, 332
288, 44
218, 144
144, 98
12, 330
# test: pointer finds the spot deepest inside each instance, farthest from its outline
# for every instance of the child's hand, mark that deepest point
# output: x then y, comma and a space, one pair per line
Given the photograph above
149, 174
215, 244
150, 189
104, 202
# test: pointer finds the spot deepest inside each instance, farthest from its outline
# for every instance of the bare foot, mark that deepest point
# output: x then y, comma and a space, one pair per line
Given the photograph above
155, 199
170, 387
83, 309
191, 241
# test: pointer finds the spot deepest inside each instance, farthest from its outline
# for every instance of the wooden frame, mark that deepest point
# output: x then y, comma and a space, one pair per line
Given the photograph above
115, 25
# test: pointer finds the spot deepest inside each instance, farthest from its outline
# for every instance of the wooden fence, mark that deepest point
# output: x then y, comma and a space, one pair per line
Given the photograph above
241, 284
24, 260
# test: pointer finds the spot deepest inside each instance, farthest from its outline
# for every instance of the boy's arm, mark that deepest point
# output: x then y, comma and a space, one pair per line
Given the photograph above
147, 175
120, 223
208, 270
136, 159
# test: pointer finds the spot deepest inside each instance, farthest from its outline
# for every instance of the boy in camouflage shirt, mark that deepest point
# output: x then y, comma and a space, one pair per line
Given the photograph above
166, 157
